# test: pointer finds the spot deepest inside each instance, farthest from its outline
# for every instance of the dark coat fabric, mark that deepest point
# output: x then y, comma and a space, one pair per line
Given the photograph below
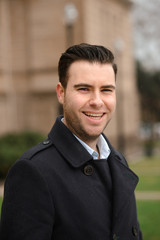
57, 191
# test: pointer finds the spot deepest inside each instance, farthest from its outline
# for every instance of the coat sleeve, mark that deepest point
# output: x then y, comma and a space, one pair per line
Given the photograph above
27, 209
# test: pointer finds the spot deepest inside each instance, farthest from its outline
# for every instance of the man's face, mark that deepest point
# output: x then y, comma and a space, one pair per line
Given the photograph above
89, 99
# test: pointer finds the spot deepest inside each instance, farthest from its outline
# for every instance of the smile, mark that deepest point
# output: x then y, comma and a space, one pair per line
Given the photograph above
94, 115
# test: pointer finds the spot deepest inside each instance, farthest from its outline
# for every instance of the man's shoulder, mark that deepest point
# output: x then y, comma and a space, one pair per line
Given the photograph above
42, 146
121, 157
116, 152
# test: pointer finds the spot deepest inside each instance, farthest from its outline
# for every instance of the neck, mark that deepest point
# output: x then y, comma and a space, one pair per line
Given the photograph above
92, 144
94, 147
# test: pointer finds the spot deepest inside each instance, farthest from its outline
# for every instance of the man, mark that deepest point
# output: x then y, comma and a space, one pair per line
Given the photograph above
74, 185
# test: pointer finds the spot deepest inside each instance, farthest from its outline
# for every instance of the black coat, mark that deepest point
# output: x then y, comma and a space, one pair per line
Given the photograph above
57, 191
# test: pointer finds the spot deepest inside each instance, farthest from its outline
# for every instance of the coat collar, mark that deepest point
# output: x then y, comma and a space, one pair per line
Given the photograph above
67, 144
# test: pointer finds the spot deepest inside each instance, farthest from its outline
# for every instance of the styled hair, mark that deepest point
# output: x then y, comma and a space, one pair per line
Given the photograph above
83, 51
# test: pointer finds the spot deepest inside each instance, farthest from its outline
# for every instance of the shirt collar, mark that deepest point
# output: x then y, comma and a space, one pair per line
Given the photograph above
102, 146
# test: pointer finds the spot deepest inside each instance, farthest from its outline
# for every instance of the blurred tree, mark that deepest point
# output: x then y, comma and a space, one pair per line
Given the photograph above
13, 145
149, 88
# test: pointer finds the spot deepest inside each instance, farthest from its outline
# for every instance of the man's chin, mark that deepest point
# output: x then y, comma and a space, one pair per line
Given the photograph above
91, 136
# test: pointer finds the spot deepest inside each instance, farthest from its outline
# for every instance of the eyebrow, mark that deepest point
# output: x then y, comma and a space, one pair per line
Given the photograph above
82, 85
88, 85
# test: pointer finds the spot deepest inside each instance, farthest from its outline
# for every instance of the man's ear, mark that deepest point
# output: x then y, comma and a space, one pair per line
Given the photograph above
60, 93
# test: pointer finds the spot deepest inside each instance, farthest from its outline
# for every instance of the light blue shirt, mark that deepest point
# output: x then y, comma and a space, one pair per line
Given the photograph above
103, 147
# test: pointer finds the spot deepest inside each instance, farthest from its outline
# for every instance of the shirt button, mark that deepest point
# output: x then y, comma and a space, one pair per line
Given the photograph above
134, 231
45, 142
88, 170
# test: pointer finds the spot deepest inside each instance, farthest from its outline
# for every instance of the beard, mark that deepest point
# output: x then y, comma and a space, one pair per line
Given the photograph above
78, 128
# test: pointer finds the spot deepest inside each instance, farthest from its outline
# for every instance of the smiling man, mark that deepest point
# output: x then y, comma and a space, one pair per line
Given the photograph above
75, 185
89, 99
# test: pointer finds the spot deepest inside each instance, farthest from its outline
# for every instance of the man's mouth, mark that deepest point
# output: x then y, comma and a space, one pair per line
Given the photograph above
94, 115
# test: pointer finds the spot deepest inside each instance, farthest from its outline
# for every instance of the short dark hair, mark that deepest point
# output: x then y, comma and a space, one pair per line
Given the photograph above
83, 51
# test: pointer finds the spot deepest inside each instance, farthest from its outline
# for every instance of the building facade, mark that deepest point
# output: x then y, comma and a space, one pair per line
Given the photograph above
34, 33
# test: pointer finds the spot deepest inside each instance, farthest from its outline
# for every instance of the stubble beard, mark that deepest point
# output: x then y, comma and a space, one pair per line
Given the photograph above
76, 127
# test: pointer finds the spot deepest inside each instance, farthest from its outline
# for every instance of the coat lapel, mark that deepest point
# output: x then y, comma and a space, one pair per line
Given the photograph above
124, 182
66, 143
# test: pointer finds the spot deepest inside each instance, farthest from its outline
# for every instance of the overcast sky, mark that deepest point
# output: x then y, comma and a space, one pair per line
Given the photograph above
146, 32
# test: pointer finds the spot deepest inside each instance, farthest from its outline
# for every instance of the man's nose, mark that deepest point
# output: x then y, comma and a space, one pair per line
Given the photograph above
96, 99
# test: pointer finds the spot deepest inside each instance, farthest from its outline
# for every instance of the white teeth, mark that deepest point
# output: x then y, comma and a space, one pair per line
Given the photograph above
94, 115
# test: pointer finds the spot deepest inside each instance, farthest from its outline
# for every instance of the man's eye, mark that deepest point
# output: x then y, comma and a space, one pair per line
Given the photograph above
107, 90
83, 89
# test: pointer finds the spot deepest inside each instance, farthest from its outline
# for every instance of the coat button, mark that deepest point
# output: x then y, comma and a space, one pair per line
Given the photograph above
134, 231
88, 170
45, 142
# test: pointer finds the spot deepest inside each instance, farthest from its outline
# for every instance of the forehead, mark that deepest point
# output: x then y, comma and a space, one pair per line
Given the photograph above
84, 70
87, 64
